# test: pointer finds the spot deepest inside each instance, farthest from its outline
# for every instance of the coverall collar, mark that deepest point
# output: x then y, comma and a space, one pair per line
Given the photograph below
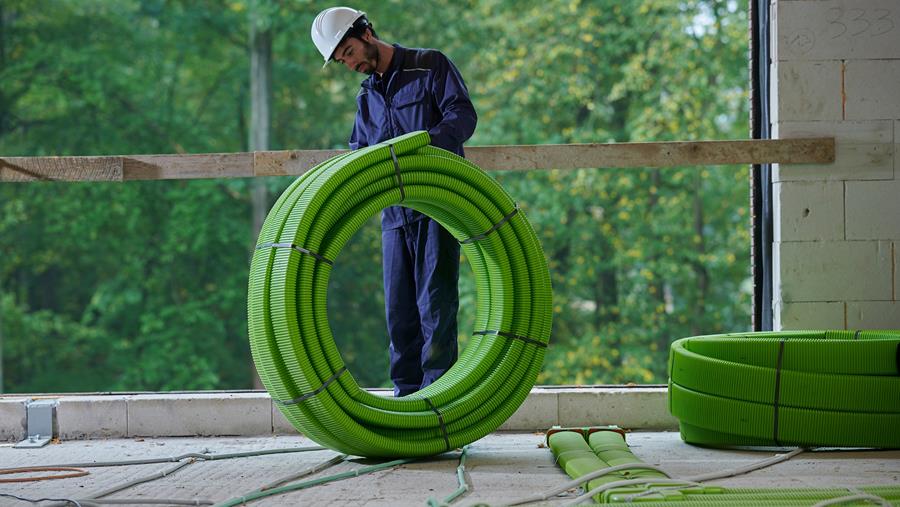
374, 82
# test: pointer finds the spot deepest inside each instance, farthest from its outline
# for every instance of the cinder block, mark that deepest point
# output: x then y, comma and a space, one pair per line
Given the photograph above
12, 418
873, 209
643, 408
871, 87
895, 253
774, 30
539, 411
832, 271
99, 416
828, 315
774, 97
200, 414
808, 90
864, 150
838, 29
808, 211
873, 315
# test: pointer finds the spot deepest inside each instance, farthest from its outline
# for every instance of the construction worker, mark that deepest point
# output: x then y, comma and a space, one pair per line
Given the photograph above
407, 90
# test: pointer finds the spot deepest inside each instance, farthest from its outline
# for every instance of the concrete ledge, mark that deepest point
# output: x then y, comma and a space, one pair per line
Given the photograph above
631, 408
12, 418
539, 411
252, 413
200, 414
86, 417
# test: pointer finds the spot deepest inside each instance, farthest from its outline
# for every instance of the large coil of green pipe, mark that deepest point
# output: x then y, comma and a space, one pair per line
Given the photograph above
792, 388
292, 343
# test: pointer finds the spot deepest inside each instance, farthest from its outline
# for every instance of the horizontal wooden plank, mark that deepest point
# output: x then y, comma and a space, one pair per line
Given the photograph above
61, 168
490, 158
186, 167
659, 154
290, 163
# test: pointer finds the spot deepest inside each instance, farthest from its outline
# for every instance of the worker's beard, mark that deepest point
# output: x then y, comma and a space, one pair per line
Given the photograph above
370, 51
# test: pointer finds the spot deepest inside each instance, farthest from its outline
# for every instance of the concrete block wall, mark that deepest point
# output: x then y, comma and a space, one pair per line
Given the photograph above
835, 71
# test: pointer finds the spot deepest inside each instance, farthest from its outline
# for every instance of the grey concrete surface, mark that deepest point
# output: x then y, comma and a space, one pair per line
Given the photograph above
252, 413
92, 417
500, 467
12, 418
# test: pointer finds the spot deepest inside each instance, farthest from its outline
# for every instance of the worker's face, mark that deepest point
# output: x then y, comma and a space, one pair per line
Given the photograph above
360, 55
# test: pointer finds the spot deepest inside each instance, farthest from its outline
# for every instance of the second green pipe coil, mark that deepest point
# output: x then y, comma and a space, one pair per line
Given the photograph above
794, 388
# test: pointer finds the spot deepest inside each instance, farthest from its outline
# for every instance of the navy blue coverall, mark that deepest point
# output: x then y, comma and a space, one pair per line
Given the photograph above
421, 90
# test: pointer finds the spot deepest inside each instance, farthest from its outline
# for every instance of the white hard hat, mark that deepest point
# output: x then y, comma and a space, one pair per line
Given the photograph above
330, 26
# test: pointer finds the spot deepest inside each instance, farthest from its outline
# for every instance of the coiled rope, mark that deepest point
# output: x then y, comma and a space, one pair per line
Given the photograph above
793, 388
292, 343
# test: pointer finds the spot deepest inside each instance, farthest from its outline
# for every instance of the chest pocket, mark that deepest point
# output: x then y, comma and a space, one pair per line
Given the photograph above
412, 109
409, 95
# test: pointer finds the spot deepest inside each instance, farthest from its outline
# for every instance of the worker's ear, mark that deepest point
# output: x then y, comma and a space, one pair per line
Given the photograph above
367, 35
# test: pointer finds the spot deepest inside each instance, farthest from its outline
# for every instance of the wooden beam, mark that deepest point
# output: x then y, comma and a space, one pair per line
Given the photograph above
489, 158
188, 167
663, 154
61, 168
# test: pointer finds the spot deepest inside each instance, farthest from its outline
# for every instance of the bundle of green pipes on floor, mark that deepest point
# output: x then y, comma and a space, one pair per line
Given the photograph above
791, 388
292, 344
589, 450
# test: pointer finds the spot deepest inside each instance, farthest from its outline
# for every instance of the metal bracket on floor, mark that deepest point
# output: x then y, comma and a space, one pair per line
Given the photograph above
40, 423
585, 431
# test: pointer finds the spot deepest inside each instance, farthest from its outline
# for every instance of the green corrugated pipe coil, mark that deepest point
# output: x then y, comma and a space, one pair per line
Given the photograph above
292, 343
791, 388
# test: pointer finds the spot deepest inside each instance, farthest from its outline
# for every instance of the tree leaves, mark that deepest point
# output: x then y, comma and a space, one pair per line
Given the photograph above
142, 285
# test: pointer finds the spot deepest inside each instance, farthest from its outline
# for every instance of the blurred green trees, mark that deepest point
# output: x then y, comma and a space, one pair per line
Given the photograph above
142, 285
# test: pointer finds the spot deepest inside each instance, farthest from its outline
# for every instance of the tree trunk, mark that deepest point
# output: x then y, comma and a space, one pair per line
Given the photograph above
3, 105
652, 201
260, 103
699, 265
1, 339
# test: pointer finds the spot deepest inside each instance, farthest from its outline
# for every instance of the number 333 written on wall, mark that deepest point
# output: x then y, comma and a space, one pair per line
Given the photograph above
856, 22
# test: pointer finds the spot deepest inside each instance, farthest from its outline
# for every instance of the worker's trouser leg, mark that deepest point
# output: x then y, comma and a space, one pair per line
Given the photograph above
421, 272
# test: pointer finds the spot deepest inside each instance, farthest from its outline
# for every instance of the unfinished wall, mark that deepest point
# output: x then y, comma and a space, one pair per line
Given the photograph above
836, 72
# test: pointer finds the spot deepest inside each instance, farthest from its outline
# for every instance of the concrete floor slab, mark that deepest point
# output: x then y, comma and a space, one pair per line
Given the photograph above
500, 467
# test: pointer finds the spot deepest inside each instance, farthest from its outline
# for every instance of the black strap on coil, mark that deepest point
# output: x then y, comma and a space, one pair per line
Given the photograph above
493, 228
317, 391
513, 336
898, 358
440, 420
777, 391
397, 171
297, 248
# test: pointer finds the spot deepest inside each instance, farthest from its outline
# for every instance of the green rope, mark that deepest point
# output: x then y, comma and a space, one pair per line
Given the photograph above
256, 495
292, 343
793, 388
460, 479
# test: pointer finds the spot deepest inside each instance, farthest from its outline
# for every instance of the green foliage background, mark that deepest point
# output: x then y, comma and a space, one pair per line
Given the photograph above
142, 285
